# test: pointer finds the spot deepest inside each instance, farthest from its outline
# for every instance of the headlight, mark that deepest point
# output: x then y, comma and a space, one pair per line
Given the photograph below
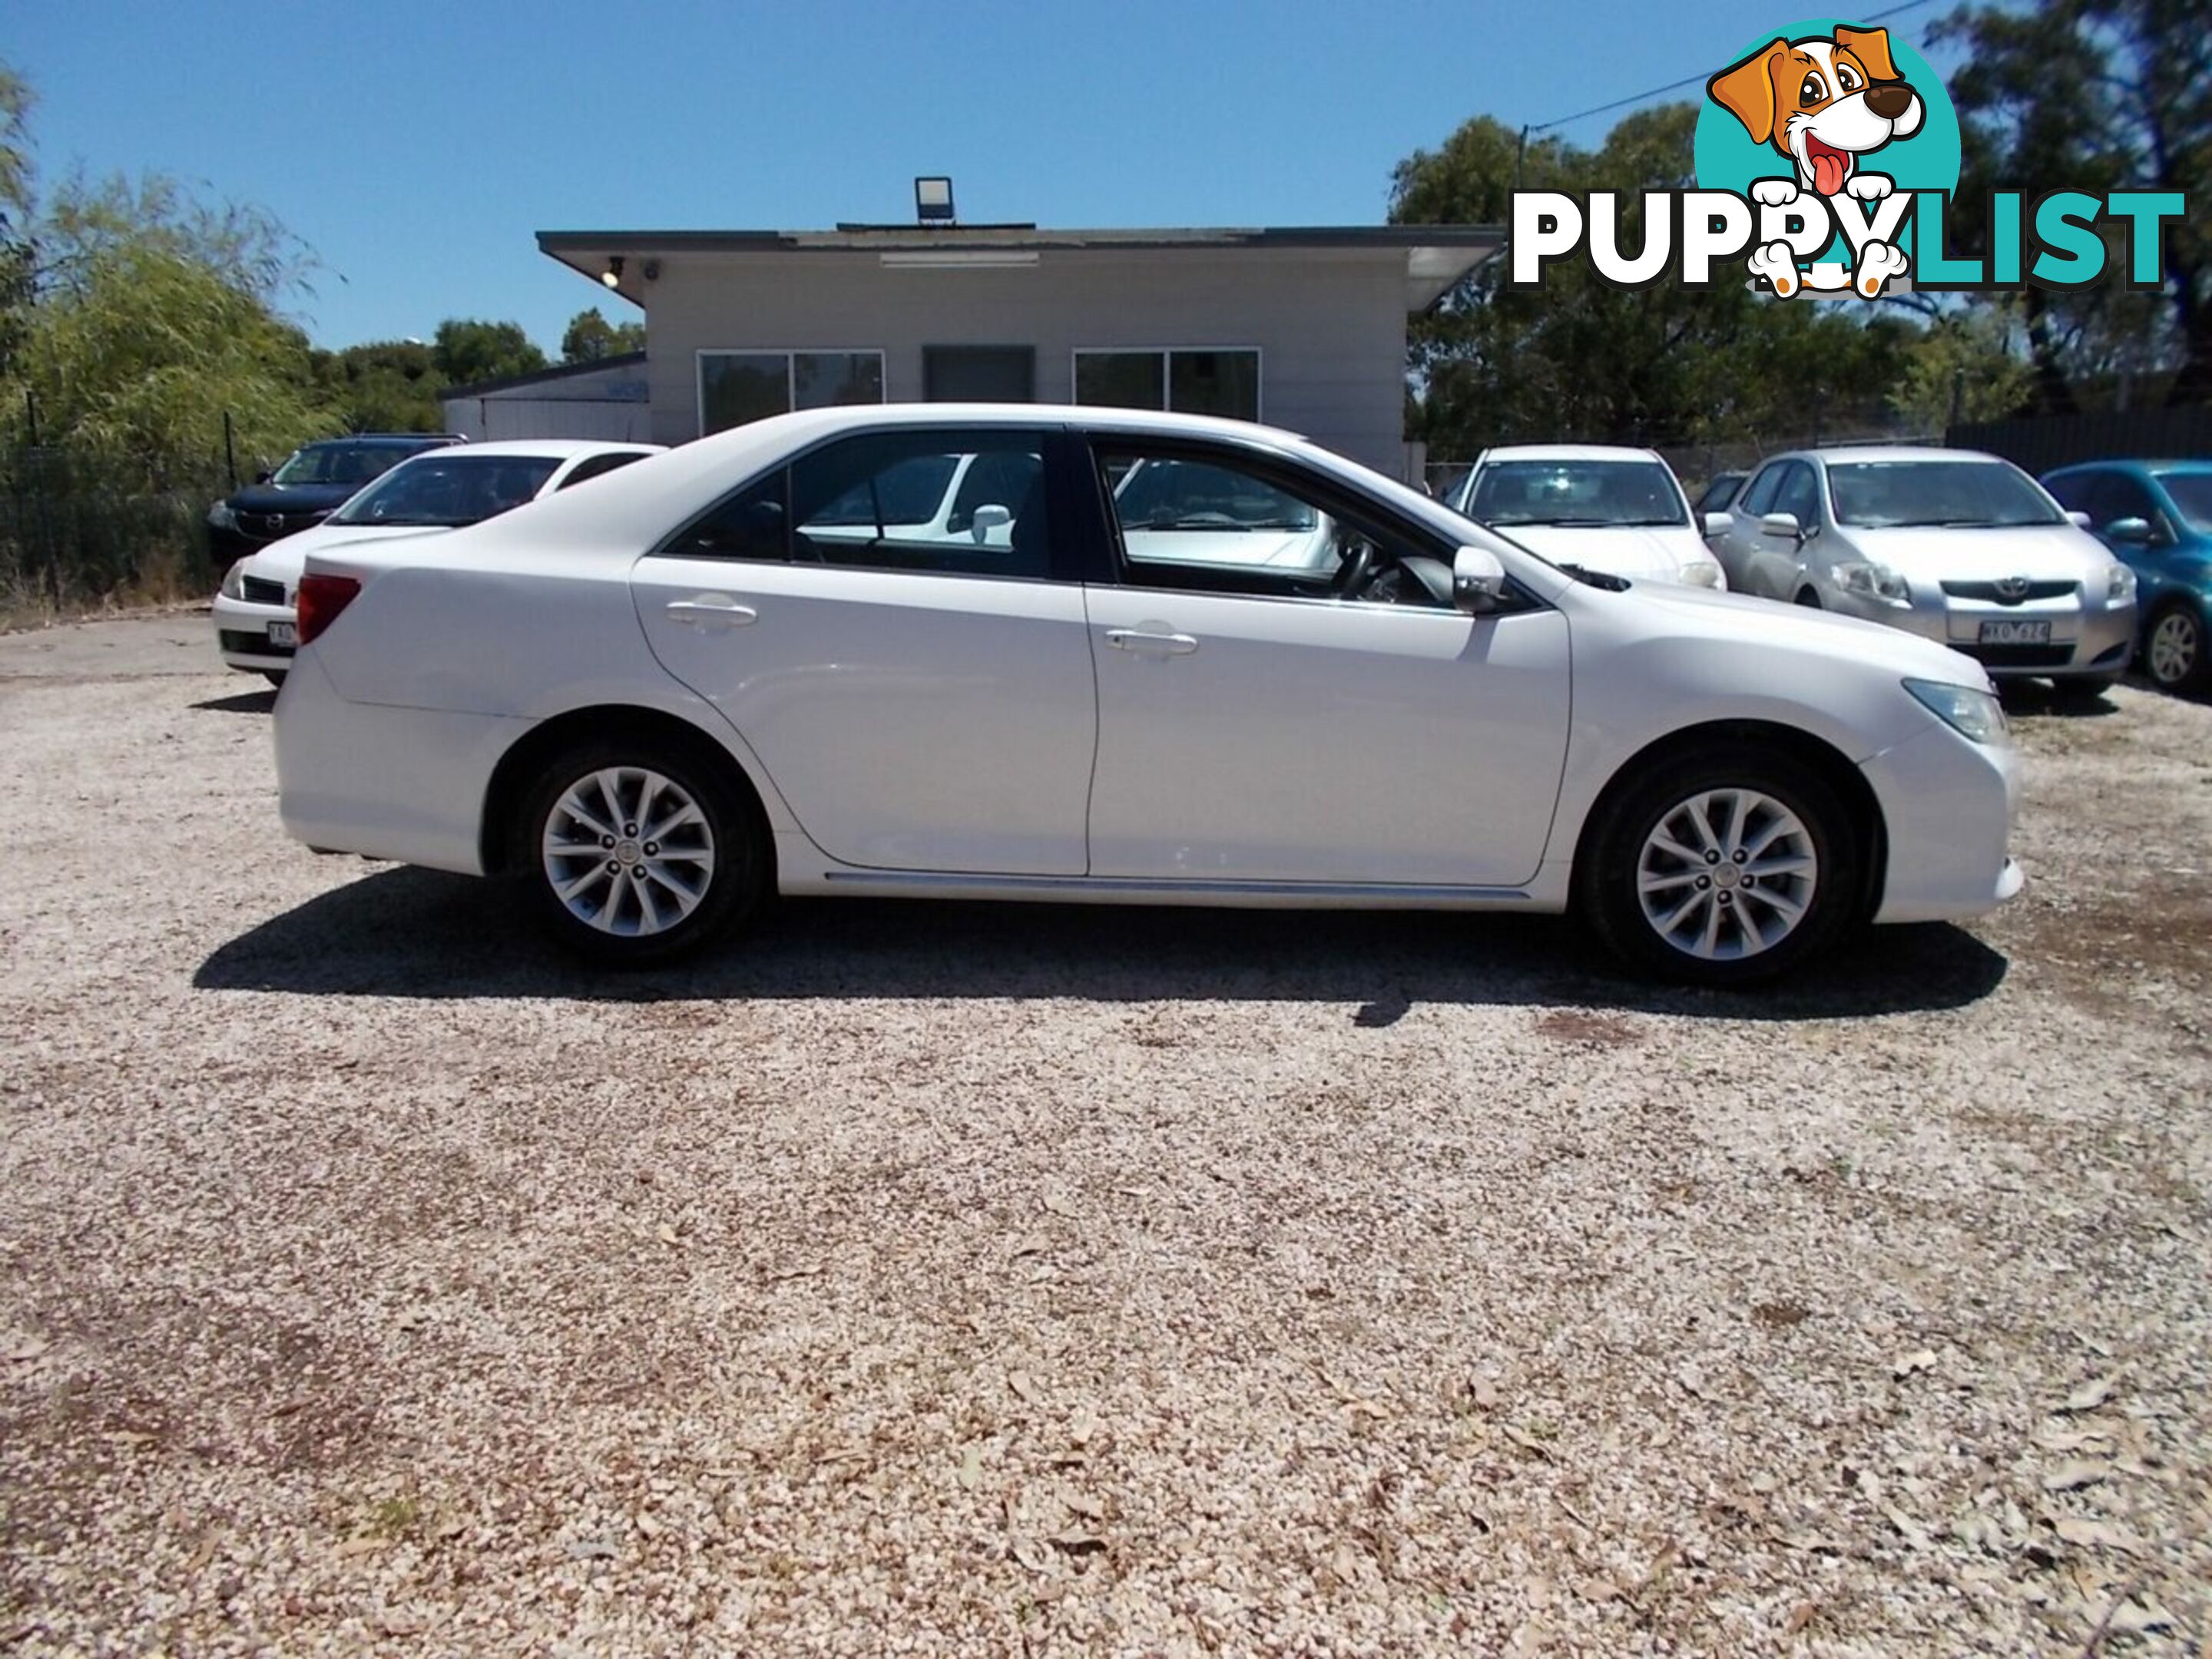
222, 518
2119, 585
1876, 581
1703, 572
234, 581
1966, 710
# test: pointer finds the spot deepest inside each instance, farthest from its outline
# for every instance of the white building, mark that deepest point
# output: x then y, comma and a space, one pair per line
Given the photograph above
1304, 328
603, 399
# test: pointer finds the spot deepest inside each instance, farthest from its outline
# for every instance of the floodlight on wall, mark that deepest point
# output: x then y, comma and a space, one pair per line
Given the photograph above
933, 201
613, 275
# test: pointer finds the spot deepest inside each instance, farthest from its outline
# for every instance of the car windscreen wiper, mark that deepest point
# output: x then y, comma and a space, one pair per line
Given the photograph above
1611, 583
1516, 524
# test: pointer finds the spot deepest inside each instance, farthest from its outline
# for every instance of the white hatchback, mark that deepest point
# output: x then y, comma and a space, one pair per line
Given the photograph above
436, 490
723, 672
1596, 507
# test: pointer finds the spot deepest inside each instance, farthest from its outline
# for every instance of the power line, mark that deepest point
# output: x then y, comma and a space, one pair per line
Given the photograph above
1676, 86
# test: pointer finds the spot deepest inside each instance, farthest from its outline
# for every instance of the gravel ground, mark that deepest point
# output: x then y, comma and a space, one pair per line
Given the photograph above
975, 1280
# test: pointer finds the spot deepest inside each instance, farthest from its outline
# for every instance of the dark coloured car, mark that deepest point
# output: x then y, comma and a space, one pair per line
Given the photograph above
315, 480
2156, 516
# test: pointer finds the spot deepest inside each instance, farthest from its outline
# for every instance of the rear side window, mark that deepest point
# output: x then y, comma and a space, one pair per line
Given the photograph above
898, 500
597, 466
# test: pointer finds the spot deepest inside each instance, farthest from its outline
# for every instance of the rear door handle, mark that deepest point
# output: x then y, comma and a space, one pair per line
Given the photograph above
1148, 642
711, 613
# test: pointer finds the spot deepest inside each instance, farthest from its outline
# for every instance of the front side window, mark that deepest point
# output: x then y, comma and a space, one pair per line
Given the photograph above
1799, 494
2191, 496
1219, 524
1184, 380
1509, 493
1961, 494
449, 490
738, 386
1759, 499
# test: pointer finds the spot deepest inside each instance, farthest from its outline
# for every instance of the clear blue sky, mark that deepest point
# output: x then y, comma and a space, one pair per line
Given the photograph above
418, 146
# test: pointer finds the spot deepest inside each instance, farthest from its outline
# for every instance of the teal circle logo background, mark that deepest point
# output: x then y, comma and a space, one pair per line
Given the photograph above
1727, 159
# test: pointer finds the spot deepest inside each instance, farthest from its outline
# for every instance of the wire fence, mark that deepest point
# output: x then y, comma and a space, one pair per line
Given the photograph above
77, 532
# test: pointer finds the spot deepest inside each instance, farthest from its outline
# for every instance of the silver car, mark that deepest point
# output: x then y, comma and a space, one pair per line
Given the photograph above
1962, 548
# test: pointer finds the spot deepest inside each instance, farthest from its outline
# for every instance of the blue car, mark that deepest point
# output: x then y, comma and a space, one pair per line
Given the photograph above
2157, 517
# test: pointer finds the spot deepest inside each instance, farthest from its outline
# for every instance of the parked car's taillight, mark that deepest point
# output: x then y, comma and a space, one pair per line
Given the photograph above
320, 600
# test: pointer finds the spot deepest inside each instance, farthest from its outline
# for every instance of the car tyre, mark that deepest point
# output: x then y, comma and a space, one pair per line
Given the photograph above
632, 852
1809, 599
1662, 883
2173, 650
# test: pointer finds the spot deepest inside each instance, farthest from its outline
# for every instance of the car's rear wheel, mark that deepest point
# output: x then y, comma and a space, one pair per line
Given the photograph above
636, 852
2174, 647
1722, 866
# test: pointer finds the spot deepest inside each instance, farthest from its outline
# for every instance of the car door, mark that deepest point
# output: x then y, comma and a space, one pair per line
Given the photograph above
921, 703
1775, 560
1733, 547
1255, 726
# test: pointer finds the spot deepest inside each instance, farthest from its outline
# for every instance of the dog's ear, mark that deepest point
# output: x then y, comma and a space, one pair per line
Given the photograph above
1870, 47
1746, 90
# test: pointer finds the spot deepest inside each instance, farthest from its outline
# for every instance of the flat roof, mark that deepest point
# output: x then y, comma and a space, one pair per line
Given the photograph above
1435, 256
542, 376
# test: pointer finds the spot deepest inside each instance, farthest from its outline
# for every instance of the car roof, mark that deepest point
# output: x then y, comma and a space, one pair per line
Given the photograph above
1847, 452
1568, 453
2198, 464
557, 449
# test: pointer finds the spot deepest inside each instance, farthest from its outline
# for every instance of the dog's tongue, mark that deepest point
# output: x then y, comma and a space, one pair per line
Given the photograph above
1829, 169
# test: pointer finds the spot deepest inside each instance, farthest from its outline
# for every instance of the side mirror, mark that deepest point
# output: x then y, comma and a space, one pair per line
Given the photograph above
261, 476
1782, 523
2082, 520
987, 518
2129, 530
1719, 524
1478, 581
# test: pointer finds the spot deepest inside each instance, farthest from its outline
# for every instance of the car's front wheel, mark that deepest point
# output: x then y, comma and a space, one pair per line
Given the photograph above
1722, 866
2174, 647
636, 852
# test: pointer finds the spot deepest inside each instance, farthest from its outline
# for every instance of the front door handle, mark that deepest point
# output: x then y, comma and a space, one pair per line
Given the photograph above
1150, 641
711, 613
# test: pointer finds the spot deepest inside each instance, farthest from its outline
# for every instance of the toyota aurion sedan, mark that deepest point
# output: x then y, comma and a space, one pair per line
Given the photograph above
651, 704
1962, 548
1593, 506
255, 630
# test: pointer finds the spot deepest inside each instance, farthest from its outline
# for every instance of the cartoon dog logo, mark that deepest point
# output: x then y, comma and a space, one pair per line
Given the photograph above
1823, 102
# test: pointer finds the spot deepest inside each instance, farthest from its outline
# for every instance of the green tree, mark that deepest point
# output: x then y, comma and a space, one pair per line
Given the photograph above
383, 385
469, 349
1575, 358
2103, 95
1965, 366
590, 337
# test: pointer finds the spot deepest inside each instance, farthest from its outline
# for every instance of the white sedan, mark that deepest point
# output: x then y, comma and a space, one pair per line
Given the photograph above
439, 489
1596, 507
655, 702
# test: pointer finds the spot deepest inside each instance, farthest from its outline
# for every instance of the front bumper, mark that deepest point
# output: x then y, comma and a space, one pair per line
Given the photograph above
2087, 637
1947, 804
241, 635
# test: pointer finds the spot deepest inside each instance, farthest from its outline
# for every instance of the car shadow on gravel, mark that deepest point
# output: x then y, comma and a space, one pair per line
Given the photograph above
407, 933
243, 703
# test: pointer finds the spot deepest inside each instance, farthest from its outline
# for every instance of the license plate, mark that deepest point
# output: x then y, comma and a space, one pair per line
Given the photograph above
288, 634
2015, 632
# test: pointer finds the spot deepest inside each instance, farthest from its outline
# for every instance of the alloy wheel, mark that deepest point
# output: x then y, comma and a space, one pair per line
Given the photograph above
628, 851
1726, 874
2174, 646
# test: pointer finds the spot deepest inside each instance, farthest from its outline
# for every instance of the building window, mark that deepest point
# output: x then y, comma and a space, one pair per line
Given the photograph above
736, 386
1188, 381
